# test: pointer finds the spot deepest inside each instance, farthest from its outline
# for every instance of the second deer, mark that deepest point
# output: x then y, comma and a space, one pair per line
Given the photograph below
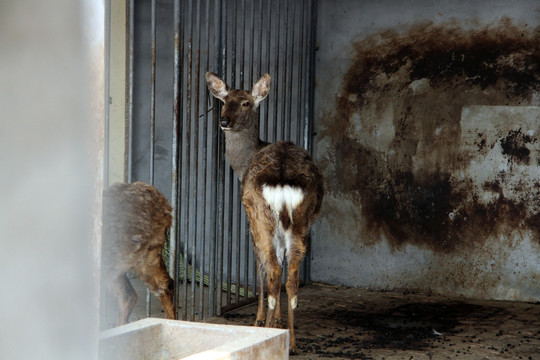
135, 221
282, 191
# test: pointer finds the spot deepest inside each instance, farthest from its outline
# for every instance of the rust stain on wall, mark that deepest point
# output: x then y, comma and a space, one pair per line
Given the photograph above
514, 145
414, 85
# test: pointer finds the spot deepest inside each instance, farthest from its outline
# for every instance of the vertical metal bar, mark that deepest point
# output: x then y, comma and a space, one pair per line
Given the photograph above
252, 52
242, 44
153, 90
129, 105
214, 173
268, 48
229, 185
175, 175
186, 136
229, 233
187, 160
302, 118
284, 121
263, 129
245, 226
196, 158
276, 76
221, 168
238, 214
205, 150
311, 75
308, 133
301, 75
152, 117
295, 82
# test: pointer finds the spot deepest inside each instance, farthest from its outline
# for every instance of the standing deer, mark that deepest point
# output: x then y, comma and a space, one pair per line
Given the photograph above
282, 190
135, 221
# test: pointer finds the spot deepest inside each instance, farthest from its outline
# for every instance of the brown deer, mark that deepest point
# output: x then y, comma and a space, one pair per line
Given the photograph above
282, 190
135, 221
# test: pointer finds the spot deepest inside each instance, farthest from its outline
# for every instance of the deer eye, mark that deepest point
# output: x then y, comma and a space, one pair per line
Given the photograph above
245, 104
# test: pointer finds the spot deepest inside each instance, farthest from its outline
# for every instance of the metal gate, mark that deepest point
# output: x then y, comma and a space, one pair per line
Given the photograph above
173, 138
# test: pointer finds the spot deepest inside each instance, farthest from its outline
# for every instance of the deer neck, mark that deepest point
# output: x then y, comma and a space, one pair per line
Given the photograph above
240, 146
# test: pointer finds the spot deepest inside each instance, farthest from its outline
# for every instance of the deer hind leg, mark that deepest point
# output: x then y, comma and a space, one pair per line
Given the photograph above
273, 271
155, 275
125, 296
267, 264
262, 225
261, 313
295, 256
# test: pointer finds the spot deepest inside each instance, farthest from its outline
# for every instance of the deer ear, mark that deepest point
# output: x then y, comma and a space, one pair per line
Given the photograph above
217, 86
260, 89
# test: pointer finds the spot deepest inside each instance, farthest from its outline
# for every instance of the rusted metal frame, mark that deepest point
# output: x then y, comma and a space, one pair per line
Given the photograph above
176, 172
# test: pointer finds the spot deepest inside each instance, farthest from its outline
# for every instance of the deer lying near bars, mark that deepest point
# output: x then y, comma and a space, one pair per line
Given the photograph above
282, 190
135, 221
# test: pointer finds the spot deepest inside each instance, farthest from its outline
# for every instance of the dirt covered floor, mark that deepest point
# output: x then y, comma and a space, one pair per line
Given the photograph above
344, 323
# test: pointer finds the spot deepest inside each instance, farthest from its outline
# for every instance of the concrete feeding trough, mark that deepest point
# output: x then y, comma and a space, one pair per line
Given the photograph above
160, 339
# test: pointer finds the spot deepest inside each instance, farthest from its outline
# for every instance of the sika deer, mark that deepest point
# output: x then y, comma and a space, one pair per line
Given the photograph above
282, 191
135, 220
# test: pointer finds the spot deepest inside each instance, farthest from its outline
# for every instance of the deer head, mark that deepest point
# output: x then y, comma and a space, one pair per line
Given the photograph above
239, 106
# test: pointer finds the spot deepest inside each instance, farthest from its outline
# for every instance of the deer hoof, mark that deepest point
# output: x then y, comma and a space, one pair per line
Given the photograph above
293, 350
260, 323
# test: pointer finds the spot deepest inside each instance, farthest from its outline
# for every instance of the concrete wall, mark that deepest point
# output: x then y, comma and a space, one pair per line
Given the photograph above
51, 156
117, 93
427, 126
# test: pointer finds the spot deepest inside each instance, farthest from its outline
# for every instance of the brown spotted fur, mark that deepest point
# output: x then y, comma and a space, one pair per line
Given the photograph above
135, 221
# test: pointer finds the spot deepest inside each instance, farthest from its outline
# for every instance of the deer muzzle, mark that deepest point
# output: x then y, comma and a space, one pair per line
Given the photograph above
225, 122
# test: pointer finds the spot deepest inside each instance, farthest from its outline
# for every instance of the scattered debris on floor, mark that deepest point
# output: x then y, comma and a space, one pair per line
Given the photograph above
335, 322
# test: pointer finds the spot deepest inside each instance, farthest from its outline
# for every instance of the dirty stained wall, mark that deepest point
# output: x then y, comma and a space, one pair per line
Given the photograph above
427, 132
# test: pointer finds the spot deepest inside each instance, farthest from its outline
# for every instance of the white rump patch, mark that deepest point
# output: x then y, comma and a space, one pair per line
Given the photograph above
278, 198
282, 196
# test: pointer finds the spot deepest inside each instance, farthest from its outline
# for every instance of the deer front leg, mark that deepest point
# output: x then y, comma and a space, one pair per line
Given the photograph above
125, 295
157, 278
